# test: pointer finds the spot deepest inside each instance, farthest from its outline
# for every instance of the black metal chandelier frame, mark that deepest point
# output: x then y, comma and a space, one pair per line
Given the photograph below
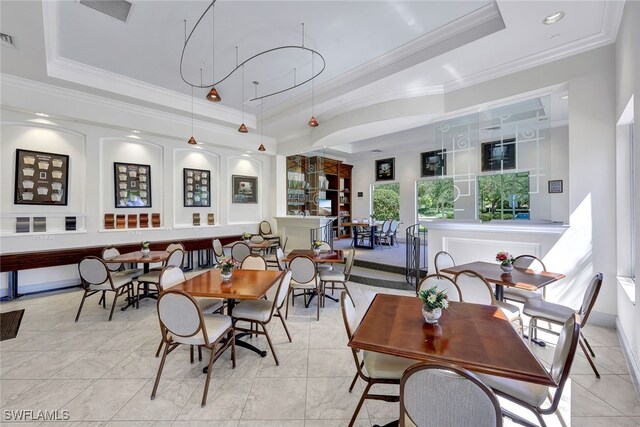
239, 66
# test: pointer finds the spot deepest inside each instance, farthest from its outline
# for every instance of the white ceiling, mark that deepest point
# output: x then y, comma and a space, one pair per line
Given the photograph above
376, 51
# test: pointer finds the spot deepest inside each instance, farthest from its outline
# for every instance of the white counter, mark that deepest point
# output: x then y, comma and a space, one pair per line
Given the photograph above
297, 229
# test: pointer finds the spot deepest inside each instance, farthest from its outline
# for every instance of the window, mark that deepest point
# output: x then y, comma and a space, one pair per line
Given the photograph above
435, 199
503, 196
386, 201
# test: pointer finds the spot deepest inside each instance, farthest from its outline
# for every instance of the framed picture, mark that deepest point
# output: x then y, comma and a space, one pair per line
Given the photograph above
555, 186
498, 155
132, 184
196, 188
433, 163
385, 169
41, 178
244, 189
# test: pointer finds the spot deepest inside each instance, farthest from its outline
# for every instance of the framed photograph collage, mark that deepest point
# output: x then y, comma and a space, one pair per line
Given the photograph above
132, 185
197, 187
41, 178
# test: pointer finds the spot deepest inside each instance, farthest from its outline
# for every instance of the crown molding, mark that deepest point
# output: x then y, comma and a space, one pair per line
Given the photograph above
486, 19
75, 105
93, 77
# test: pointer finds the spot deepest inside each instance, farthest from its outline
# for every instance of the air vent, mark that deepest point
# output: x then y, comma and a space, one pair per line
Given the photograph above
7, 40
376, 151
492, 128
118, 9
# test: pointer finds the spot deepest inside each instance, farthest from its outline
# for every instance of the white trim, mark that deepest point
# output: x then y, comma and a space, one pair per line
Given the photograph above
628, 286
634, 372
517, 227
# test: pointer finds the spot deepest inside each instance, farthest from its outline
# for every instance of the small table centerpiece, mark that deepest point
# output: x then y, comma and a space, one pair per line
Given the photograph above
246, 236
506, 261
145, 248
434, 302
315, 245
226, 266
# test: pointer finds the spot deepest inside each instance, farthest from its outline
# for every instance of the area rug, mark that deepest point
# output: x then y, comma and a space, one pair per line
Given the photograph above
10, 323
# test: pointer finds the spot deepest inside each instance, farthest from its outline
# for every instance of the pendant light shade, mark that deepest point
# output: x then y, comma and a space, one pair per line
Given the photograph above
261, 148
243, 128
313, 122
192, 141
213, 95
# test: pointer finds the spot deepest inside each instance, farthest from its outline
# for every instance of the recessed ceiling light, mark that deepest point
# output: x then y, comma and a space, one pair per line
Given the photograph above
42, 115
248, 152
565, 96
135, 131
553, 18
245, 155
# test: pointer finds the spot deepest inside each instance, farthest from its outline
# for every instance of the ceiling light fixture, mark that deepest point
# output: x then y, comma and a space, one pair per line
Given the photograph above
313, 122
213, 94
41, 114
553, 18
261, 147
135, 131
242, 128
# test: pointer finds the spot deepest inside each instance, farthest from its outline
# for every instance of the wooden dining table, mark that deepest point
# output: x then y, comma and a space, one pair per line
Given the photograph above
138, 257
522, 278
244, 285
474, 336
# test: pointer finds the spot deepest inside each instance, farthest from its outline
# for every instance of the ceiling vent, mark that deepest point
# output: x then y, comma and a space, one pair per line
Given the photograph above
493, 128
118, 9
7, 40
376, 151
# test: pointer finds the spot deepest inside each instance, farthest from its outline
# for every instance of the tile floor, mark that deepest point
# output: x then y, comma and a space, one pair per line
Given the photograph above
102, 373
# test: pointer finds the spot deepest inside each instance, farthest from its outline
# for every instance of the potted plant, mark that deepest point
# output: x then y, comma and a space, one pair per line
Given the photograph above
246, 237
506, 261
433, 302
315, 245
145, 248
226, 266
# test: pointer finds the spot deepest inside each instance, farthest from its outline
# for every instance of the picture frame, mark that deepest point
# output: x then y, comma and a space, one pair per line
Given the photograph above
385, 169
195, 193
433, 163
244, 189
41, 178
498, 155
132, 185
555, 186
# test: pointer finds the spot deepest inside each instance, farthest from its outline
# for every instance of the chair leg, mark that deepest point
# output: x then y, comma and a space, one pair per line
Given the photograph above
584, 339
113, 306
353, 383
206, 384
164, 357
81, 304
199, 353
318, 301
102, 300
284, 325
593, 366
357, 410
346, 288
286, 310
159, 348
191, 353
273, 351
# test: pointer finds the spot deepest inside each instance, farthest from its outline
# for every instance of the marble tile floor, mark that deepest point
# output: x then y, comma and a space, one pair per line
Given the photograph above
102, 372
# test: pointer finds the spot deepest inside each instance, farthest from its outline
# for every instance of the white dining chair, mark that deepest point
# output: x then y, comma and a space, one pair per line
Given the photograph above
240, 251
522, 295
253, 262
304, 277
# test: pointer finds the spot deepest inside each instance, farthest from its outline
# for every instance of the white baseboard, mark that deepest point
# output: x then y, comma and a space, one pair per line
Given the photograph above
605, 320
628, 356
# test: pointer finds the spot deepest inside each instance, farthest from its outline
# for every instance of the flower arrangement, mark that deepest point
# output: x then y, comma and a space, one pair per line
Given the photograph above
226, 265
504, 258
146, 244
316, 244
433, 299
246, 235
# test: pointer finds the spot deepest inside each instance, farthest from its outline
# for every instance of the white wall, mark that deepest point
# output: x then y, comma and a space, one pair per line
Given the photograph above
627, 84
92, 149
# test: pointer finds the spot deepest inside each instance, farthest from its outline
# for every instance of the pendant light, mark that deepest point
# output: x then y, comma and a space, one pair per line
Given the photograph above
213, 94
261, 148
242, 128
313, 122
192, 140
